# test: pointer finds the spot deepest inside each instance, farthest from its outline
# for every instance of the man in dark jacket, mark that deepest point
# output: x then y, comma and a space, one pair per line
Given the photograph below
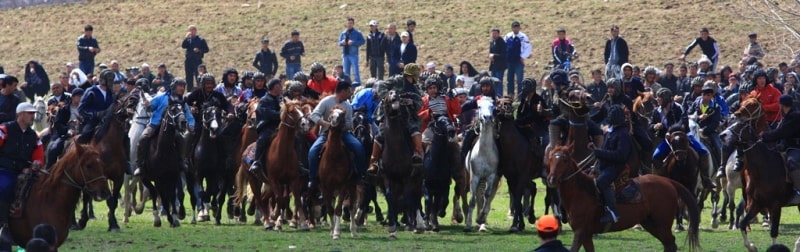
57, 94
8, 101
65, 126
94, 104
530, 120
497, 57
709, 116
196, 47
376, 51
611, 160
668, 78
206, 95
615, 54
707, 44
265, 60
787, 133
391, 40
268, 115
87, 49
487, 89
292, 51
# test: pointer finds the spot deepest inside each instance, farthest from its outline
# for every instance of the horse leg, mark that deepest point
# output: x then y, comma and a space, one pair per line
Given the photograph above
127, 198
491, 190
775, 221
472, 202
393, 199
516, 205
112, 203
297, 191
744, 222
578, 240
151, 188
168, 199
661, 231
354, 198
85, 211
527, 202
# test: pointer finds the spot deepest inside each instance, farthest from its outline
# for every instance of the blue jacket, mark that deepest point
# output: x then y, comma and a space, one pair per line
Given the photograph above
94, 102
83, 48
364, 99
353, 35
160, 103
724, 111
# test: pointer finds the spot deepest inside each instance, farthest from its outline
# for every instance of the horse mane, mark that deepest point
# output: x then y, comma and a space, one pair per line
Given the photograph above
584, 181
73, 156
104, 123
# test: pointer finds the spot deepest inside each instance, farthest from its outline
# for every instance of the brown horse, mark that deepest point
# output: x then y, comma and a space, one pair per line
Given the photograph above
681, 165
245, 179
337, 182
55, 195
765, 188
282, 166
660, 201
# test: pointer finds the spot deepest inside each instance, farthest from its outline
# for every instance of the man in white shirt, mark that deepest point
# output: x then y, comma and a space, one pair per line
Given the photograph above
518, 48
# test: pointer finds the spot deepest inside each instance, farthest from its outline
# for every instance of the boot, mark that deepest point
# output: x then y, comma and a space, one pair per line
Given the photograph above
375, 158
418, 154
141, 154
5, 233
610, 206
795, 177
261, 146
704, 176
721, 172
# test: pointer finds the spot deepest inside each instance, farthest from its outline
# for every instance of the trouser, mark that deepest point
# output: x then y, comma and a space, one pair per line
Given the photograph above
8, 181
534, 136
87, 66
291, 69
716, 150
350, 142
393, 68
613, 71
515, 69
603, 183
499, 88
87, 132
350, 67
262, 144
376, 67
190, 67
467, 142
54, 150
143, 146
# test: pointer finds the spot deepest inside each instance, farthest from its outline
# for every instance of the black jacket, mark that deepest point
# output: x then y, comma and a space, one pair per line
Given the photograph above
409, 55
375, 45
787, 130
65, 98
675, 120
295, 49
268, 113
498, 48
8, 107
266, 62
190, 44
527, 114
622, 51
61, 123
616, 149
670, 82
392, 56
552, 246
711, 123
620, 99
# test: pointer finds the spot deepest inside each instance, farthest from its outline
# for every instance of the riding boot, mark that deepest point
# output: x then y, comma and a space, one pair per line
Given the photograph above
5, 233
375, 158
610, 203
261, 146
141, 152
704, 176
795, 177
418, 154
721, 171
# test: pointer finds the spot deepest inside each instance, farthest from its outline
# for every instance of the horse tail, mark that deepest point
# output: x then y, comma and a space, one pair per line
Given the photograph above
694, 214
241, 186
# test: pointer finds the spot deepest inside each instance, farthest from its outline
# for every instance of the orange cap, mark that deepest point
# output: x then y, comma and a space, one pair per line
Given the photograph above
547, 223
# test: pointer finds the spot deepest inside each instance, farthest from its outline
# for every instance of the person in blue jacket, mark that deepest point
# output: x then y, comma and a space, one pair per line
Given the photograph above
350, 40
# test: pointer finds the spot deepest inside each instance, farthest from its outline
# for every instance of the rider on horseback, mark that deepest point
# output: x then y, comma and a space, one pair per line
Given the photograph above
611, 160
367, 99
93, 105
487, 89
435, 105
268, 116
228, 85
530, 118
787, 133
709, 118
319, 116
669, 117
257, 91
65, 126
559, 126
406, 88
631, 85
20, 148
158, 106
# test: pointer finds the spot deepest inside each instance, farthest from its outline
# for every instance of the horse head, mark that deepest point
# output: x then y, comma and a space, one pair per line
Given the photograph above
291, 115
505, 108
391, 103
81, 167
252, 106
749, 122
212, 120
644, 105
175, 117
678, 143
576, 103
305, 121
562, 167
337, 117
486, 110
41, 109
442, 126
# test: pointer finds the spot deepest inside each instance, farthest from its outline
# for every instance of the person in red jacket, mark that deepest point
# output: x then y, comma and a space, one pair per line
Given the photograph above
769, 96
320, 82
433, 105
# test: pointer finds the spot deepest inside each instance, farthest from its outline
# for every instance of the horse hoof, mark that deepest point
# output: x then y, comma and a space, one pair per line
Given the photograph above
679, 229
393, 236
637, 227
513, 230
409, 228
714, 223
113, 230
182, 213
75, 227
336, 237
765, 224
193, 222
293, 224
483, 228
458, 218
419, 231
353, 235
157, 224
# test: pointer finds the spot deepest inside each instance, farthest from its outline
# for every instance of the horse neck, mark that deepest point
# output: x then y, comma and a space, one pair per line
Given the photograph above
486, 137
578, 191
578, 137
167, 135
759, 166
54, 194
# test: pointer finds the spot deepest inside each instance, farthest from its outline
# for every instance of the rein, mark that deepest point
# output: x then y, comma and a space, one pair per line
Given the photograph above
85, 187
578, 170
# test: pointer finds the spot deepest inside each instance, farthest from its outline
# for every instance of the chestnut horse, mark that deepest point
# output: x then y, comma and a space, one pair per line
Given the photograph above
244, 179
54, 196
660, 201
282, 166
681, 165
337, 181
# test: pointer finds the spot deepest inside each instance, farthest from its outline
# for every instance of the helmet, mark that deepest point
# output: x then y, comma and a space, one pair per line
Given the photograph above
411, 70
207, 77
559, 78
665, 93
698, 81
431, 82
613, 83
760, 73
143, 83
751, 69
258, 75
107, 77
296, 86
650, 70
486, 81
301, 76
247, 75
316, 66
176, 82
528, 84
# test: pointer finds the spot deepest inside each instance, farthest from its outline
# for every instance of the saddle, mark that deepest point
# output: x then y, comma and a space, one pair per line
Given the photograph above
21, 191
626, 190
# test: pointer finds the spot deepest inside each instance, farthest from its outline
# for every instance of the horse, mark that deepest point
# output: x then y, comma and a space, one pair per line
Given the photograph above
441, 163
482, 162
110, 141
402, 180
681, 165
282, 167
231, 147
337, 181
518, 165
41, 121
655, 207
766, 187
162, 172
208, 162
245, 179
54, 195
716, 210
363, 131
132, 184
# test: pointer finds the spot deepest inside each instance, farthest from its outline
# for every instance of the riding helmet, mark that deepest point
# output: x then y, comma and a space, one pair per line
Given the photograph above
316, 66
431, 82
247, 75
665, 93
650, 70
107, 77
528, 85
698, 81
301, 77
760, 73
411, 70
176, 82
296, 86
143, 83
613, 83
616, 115
207, 77
559, 78
259, 75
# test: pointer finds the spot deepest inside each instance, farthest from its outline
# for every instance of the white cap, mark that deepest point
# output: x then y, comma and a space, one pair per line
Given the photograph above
25, 107
404, 34
145, 65
431, 65
70, 64
373, 23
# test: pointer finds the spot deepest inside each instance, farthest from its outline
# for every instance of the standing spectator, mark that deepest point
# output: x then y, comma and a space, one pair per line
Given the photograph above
196, 47
163, 79
292, 50
36, 81
616, 54
87, 49
76, 76
376, 51
753, 48
784, 68
146, 73
390, 42
707, 44
518, 48
497, 57
407, 51
265, 60
668, 79
118, 75
411, 26
8, 101
350, 39
547, 230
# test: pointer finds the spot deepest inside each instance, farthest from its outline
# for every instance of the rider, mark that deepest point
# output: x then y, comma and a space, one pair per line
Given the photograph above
631, 85
8, 85
669, 117
787, 133
434, 105
559, 126
228, 85
158, 105
320, 83
530, 118
651, 79
487, 89
268, 116
611, 160
709, 118
406, 88
259, 88
320, 116
562, 48
367, 99
768, 95
697, 91
20, 149
206, 94
93, 105
65, 126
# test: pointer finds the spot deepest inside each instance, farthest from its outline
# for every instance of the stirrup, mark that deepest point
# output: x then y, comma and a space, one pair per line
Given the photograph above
610, 216
255, 167
137, 172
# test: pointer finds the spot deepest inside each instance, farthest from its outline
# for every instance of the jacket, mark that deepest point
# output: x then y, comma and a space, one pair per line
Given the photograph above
375, 45
64, 97
424, 113
708, 46
632, 87
198, 98
527, 114
769, 96
268, 113
326, 86
390, 43
562, 49
616, 149
61, 121
622, 50
352, 35
196, 42
295, 49
672, 120
266, 62
8, 107
83, 48
407, 56
518, 46
17, 148
714, 111
323, 110
252, 93
670, 82
786, 130
160, 104
552, 246
498, 48
365, 99
94, 102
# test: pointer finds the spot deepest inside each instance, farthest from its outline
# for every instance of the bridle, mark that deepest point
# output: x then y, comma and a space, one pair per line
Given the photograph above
85, 187
560, 155
295, 121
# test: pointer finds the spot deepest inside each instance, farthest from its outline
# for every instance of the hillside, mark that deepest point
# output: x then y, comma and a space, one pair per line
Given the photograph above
134, 32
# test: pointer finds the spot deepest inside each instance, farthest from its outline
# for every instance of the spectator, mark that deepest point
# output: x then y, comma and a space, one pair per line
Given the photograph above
707, 44
146, 73
338, 73
684, 81
407, 51
227, 86
778, 248
547, 230
57, 94
467, 73
88, 48
518, 48
292, 51
201, 70
448, 77
350, 39
668, 79
376, 51
411, 26
265, 60
497, 57
616, 54
784, 68
196, 47
8, 101
390, 42
36, 80
118, 75
37, 245
47, 233
597, 88
76, 76
753, 48
163, 79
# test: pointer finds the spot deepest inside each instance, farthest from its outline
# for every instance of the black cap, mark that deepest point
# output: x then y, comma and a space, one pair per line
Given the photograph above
162, 64
752, 35
295, 32
704, 29
786, 100
515, 24
265, 40
561, 30
88, 28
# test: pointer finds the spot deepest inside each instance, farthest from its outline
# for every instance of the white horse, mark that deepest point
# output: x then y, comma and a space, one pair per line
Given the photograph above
41, 123
132, 184
482, 163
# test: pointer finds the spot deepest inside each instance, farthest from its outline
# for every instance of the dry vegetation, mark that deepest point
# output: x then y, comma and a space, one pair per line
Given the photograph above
138, 31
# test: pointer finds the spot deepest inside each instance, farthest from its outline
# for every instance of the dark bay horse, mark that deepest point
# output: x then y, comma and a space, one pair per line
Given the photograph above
162, 172
518, 165
362, 130
54, 196
208, 165
442, 162
681, 165
282, 166
660, 201
766, 187
337, 181
403, 182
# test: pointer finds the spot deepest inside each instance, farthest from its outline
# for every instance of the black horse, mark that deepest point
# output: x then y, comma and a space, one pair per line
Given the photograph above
518, 165
363, 132
441, 163
162, 171
208, 162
